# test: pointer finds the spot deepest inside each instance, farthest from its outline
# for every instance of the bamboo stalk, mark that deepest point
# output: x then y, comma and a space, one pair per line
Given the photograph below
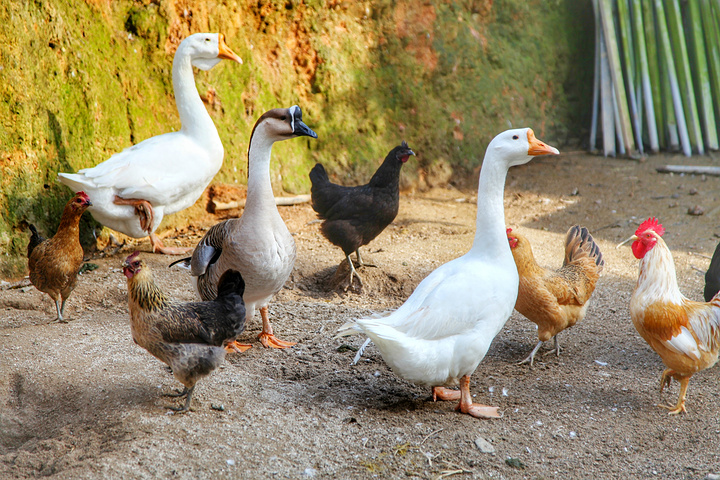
618, 126
607, 111
667, 54
654, 71
627, 54
596, 82
687, 91
645, 77
703, 78
712, 41
613, 56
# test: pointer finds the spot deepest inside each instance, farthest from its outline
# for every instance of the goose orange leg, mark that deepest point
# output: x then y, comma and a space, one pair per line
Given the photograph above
234, 347
144, 211
267, 338
445, 394
474, 409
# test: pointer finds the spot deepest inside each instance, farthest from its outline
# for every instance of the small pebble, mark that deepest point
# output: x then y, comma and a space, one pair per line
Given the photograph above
572, 434
712, 476
484, 446
230, 462
696, 210
310, 472
219, 408
515, 463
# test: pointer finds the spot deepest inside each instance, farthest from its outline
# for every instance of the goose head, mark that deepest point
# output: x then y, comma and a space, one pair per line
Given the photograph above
518, 146
206, 50
282, 124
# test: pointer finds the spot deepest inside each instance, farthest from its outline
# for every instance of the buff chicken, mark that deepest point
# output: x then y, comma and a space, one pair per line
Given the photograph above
685, 333
54, 263
556, 299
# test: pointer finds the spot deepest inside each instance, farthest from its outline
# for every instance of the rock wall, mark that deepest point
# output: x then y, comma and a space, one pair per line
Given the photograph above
81, 80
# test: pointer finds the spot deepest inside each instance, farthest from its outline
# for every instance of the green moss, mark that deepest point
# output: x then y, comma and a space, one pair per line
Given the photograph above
80, 81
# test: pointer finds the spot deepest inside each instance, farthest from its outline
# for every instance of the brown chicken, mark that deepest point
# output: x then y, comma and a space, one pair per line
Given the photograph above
54, 263
556, 299
686, 334
193, 337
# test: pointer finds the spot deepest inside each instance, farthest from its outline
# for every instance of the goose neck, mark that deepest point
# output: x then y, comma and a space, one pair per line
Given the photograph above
194, 117
490, 237
259, 186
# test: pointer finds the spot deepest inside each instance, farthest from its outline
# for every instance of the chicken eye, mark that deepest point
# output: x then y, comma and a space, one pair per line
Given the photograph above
515, 137
207, 39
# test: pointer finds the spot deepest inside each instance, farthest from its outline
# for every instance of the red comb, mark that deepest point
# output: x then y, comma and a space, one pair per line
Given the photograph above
132, 256
82, 194
651, 223
508, 231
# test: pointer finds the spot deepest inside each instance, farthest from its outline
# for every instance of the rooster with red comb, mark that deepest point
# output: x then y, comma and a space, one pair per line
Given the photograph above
685, 333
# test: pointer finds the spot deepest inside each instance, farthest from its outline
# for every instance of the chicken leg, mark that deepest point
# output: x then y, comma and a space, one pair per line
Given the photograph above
60, 308
267, 338
144, 211
475, 409
665, 380
531, 358
186, 406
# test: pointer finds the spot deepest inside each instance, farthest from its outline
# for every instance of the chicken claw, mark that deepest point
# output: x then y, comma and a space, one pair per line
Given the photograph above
186, 392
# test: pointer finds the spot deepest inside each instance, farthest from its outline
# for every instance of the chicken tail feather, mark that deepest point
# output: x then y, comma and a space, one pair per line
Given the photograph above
35, 239
231, 282
318, 175
579, 244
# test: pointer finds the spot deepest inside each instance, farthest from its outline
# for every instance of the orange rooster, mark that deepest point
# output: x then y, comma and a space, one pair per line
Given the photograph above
54, 263
556, 299
686, 334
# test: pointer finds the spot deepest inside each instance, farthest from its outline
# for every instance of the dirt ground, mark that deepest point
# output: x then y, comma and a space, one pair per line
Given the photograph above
81, 400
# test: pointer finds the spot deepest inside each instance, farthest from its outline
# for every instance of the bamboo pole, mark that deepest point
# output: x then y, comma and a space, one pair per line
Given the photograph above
667, 55
627, 54
607, 111
596, 82
712, 41
687, 91
613, 56
703, 77
647, 89
654, 70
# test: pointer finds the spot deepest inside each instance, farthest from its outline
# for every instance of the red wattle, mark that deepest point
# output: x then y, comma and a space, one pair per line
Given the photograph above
639, 249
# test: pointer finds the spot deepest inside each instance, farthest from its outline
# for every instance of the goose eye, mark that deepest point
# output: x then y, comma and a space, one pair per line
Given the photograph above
283, 118
515, 137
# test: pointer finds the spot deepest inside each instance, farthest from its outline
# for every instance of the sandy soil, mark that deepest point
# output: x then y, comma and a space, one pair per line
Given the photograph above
80, 400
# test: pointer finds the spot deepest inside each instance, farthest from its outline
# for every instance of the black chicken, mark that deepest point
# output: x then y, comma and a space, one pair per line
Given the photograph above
712, 276
189, 337
353, 216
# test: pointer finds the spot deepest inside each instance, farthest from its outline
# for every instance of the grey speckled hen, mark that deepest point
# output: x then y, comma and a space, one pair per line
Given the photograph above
258, 244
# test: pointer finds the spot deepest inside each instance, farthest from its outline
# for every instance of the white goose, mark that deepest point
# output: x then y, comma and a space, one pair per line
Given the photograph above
443, 331
132, 190
258, 244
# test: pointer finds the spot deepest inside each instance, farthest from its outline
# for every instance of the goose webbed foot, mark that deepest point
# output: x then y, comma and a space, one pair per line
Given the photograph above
143, 210
158, 247
267, 338
235, 347
474, 409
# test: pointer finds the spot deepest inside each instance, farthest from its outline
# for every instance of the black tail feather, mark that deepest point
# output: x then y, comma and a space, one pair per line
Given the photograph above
35, 239
231, 282
318, 175
185, 260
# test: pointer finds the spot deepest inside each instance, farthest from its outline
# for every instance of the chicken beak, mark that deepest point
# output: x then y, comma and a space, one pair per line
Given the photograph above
537, 147
631, 239
225, 52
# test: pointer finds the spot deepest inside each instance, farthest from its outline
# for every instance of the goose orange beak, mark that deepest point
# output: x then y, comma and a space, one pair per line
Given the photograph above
225, 52
537, 147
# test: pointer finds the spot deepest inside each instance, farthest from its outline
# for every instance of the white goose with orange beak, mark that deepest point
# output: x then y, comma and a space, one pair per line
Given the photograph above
443, 331
132, 190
